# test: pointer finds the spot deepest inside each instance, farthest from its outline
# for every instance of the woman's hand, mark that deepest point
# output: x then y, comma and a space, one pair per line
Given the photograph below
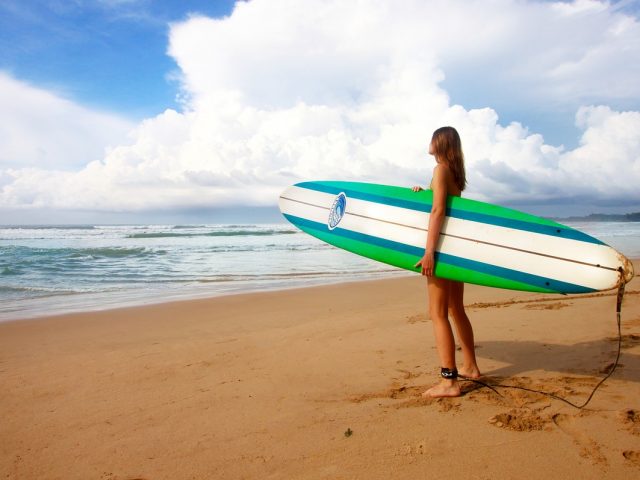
417, 188
427, 262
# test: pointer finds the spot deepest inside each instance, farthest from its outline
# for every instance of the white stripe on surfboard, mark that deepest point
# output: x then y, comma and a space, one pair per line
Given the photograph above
494, 254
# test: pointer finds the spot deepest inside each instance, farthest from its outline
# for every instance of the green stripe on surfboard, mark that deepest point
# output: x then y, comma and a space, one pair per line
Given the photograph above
407, 262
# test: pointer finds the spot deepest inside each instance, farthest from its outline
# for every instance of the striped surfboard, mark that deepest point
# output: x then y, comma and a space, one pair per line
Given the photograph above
480, 243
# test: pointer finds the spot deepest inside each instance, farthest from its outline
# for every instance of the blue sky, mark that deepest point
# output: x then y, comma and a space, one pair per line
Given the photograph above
140, 110
109, 54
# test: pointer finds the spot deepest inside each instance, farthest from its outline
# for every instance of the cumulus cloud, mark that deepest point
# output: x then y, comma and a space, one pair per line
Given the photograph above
39, 129
283, 91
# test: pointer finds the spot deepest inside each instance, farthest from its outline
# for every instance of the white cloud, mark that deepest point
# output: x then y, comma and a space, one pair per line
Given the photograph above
39, 129
608, 159
284, 90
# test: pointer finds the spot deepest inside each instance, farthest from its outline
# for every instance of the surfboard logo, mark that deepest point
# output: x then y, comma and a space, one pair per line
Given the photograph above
337, 210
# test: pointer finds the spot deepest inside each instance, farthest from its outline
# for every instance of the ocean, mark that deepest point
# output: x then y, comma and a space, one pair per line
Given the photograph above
66, 268
53, 269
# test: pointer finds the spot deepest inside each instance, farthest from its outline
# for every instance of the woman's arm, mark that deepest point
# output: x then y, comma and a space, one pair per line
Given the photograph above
438, 207
436, 218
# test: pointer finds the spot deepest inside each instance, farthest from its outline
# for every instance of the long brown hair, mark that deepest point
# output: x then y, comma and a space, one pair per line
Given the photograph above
447, 147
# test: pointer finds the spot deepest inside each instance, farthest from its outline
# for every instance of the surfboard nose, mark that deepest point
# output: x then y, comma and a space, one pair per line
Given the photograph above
627, 268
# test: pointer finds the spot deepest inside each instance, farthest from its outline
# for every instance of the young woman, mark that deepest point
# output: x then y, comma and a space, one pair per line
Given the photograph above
446, 296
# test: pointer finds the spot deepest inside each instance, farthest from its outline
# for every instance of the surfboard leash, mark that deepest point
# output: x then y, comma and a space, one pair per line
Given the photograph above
619, 298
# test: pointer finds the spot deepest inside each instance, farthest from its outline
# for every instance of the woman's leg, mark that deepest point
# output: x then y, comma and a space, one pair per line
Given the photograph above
465, 330
438, 289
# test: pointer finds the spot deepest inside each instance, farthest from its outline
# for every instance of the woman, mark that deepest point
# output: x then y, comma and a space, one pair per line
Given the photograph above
446, 296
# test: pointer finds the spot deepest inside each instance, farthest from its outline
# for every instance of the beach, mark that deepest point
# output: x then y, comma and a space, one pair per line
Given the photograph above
321, 382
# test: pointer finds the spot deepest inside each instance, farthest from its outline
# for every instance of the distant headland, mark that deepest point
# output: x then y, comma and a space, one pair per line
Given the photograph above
605, 217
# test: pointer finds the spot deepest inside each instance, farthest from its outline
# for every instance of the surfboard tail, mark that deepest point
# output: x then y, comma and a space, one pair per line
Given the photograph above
627, 268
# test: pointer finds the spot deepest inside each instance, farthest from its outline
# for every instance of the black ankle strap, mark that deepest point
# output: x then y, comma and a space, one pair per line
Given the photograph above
449, 374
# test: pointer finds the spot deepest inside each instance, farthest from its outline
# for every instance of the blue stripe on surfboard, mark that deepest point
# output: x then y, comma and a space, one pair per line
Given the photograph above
516, 275
457, 213
507, 273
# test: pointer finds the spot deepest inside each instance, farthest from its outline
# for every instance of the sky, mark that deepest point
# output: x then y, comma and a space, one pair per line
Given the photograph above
143, 111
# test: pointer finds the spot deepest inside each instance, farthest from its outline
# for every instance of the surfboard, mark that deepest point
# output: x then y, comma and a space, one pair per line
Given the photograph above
480, 243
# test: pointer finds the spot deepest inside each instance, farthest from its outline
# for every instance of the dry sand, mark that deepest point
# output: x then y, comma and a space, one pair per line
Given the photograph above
320, 383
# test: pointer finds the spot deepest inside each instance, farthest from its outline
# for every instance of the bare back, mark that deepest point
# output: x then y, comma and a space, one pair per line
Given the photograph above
446, 179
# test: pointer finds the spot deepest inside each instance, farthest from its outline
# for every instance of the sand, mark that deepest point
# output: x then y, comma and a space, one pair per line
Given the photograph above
320, 383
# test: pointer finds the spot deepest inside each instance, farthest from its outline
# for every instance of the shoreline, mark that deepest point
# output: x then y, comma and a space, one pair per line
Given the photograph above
270, 384
119, 302
158, 299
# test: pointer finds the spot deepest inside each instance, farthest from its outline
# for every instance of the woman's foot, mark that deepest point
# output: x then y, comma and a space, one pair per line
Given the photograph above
471, 372
446, 388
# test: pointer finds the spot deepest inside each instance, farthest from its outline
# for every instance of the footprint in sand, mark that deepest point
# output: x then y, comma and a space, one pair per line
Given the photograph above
406, 374
628, 341
633, 456
421, 317
588, 447
519, 420
547, 306
631, 420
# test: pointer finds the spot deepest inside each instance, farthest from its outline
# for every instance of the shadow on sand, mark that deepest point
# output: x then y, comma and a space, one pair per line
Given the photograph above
594, 358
